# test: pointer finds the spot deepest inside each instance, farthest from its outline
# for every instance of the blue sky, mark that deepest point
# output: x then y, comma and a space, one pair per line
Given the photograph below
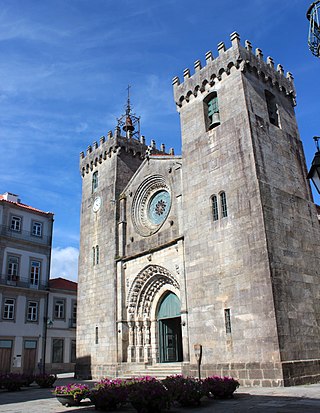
65, 66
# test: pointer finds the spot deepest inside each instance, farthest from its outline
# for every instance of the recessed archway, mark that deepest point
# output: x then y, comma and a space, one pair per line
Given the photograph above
169, 325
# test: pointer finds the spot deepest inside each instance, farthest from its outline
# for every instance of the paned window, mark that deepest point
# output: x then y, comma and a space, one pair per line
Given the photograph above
59, 308
32, 311
8, 309
227, 320
215, 211
35, 272
223, 199
15, 223
97, 254
95, 181
37, 229
57, 350
13, 267
93, 256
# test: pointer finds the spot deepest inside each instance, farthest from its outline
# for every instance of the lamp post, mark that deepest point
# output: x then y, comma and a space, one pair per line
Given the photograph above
314, 173
313, 15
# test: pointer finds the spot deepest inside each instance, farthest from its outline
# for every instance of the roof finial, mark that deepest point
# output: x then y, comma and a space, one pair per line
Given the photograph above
128, 109
129, 122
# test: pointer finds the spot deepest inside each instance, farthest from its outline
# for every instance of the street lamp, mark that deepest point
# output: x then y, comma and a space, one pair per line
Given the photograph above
314, 173
313, 15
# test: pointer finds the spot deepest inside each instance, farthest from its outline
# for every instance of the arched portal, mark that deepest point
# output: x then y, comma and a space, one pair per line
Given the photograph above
169, 323
146, 299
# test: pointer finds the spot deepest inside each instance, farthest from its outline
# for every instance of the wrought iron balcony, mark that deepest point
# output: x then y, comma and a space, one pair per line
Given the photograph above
24, 236
23, 282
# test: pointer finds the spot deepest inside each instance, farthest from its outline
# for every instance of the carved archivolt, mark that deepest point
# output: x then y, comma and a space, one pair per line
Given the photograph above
144, 288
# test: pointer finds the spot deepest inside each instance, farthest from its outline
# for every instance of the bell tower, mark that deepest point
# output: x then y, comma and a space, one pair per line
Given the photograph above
106, 169
250, 226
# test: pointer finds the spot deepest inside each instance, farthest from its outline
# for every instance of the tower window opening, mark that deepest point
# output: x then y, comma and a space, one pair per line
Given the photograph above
227, 320
95, 181
97, 254
224, 209
97, 335
215, 211
211, 107
273, 109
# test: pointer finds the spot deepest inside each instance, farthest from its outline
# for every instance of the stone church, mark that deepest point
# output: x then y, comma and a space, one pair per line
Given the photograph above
215, 251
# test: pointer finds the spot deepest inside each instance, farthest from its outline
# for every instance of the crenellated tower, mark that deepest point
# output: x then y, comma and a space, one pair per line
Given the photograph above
252, 245
106, 168
218, 247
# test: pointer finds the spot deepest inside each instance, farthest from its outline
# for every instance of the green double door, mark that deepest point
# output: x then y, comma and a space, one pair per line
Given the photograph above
170, 337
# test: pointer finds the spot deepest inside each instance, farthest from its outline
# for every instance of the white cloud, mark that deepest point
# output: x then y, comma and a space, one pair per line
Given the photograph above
64, 263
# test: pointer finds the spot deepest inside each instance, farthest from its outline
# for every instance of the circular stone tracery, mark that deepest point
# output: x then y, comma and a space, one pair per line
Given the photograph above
151, 205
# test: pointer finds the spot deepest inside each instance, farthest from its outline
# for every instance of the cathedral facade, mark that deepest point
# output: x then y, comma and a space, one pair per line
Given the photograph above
216, 250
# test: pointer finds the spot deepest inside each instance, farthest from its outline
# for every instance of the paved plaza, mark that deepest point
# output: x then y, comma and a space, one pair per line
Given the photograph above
298, 399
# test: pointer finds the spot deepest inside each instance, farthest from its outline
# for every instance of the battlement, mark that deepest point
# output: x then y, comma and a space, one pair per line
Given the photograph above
114, 144
238, 57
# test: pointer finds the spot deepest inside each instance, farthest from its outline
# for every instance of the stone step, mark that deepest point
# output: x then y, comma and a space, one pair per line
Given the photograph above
161, 371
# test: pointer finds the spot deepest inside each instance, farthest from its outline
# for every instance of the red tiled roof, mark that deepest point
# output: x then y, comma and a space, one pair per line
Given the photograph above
24, 206
63, 284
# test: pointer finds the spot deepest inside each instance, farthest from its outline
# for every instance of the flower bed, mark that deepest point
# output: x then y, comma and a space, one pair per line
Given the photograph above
45, 380
187, 391
109, 394
220, 387
71, 394
11, 381
148, 395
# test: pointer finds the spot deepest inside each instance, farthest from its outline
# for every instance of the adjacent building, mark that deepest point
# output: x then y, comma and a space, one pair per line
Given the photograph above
25, 253
38, 314
61, 326
217, 249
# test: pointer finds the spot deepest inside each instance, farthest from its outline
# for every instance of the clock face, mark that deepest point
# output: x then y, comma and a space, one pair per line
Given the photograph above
96, 204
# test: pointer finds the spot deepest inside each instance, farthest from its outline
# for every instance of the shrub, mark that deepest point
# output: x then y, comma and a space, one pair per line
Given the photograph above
109, 394
11, 381
45, 380
187, 391
148, 395
27, 379
220, 387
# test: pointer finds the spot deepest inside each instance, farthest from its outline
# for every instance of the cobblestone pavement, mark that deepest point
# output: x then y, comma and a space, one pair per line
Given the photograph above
298, 399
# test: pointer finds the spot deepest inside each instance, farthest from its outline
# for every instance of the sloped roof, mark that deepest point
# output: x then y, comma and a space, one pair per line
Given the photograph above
63, 284
24, 206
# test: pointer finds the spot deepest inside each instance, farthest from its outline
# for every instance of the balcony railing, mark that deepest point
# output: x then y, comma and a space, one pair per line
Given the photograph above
72, 323
24, 282
24, 236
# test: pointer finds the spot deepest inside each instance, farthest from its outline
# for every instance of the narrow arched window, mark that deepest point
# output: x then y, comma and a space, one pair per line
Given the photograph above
95, 181
215, 211
273, 108
93, 256
223, 201
97, 254
211, 109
